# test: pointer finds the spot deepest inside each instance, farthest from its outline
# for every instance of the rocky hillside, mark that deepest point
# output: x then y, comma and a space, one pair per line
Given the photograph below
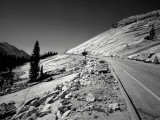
8, 49
126, 39
76, 90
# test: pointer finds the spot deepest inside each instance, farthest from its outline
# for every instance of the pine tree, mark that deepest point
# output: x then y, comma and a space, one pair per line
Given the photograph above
152, 33
34, 64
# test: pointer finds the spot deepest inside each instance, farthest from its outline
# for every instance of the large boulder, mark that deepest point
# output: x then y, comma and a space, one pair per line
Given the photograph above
55, 106
51, 99
44, 110
35, 103
30, 101
43, 99
46, 107
65, 114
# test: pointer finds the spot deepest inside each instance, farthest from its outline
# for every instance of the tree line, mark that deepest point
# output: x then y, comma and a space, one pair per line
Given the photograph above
8, 62
48, 54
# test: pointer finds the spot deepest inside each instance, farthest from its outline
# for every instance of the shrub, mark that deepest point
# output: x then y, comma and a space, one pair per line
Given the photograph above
84, 53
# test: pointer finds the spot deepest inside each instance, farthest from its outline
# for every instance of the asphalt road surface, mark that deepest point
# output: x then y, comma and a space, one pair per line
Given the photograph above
142, 84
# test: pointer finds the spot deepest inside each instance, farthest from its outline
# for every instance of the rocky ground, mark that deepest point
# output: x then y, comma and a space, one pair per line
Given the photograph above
93, 93
20, 76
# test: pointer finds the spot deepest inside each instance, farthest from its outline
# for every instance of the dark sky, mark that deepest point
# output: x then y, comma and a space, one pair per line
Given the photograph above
62, 24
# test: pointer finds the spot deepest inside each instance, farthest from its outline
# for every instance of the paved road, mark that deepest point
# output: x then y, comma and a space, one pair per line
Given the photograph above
142, 83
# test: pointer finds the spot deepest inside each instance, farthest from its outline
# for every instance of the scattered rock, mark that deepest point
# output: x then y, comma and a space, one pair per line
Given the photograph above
64, 108
85, 82
26, 115
65, 102
74, 88
19, 116
51, 99
105, 71
76, 95
46, 108
74, 109
68, 95
62, 95
102, 61
115, 87
58, 114
100, 98
42, 114
64, 88
65, 114
96, 116
115, 81
90, 97
93, 99
88, 108
23, 109
113, 106
35, 103
30, 101
43, 99
56, 92
32, 109
55, 106
90, 113
81, 98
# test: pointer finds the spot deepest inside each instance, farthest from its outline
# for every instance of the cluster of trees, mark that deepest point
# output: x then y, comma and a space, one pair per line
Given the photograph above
8, 62
48, 54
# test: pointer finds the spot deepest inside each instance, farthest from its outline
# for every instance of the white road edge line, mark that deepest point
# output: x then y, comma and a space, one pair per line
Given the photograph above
140, 84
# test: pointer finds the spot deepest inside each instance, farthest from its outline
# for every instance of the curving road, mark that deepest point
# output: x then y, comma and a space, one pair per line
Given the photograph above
142, 83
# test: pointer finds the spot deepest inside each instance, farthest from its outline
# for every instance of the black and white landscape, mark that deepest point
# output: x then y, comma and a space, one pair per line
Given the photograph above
79, 60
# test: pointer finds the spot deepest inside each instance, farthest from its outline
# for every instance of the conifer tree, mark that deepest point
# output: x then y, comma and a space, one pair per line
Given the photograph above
152, 33
34, 64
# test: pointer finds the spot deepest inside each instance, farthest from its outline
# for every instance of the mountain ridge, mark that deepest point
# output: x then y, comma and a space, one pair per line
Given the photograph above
7, 49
